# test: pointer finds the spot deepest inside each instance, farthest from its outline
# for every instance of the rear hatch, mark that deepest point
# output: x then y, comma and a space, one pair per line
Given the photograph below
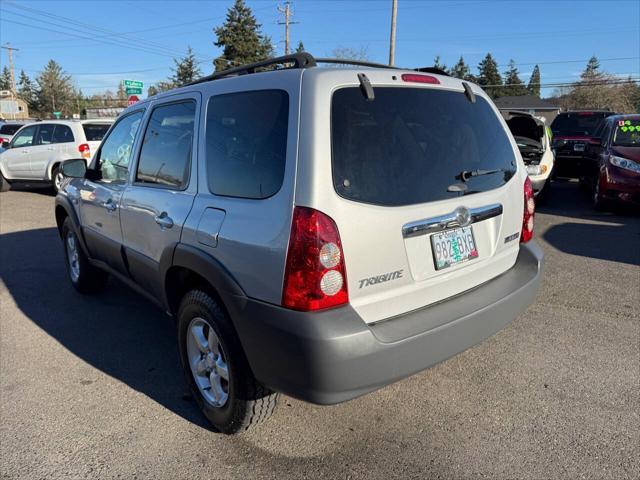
573, 130
94, 133
408, 169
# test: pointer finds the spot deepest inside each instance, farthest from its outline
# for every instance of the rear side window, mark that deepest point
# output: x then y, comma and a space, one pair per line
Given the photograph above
247, 143
166, 149
95, 132
412, 145
9, 129
45, 134
62, 134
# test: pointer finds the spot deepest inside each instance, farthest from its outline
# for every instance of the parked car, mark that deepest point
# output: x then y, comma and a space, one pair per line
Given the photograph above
572, 131
612, 172
36, 150
320, 232
534, 143
7, 130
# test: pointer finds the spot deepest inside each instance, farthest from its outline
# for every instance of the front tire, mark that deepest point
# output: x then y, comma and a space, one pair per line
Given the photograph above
83, 276
216, 368
599, 202
56, 179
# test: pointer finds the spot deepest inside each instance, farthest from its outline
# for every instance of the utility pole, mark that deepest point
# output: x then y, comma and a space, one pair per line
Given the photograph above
10, 49
392, 41
288, 13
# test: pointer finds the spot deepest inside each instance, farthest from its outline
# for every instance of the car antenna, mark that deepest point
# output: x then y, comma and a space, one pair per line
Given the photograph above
366, 88
468, 92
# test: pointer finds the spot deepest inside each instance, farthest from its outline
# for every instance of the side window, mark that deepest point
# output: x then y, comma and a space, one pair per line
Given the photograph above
45, 134
246, 143
62, 134
24, 138
115, 152
165, 157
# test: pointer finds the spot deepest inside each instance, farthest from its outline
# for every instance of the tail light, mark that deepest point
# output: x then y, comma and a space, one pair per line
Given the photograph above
2, 140
315, 275
84, 150
529, 212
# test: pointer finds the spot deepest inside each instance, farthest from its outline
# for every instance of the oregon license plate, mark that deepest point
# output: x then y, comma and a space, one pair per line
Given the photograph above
578, 147
452, 247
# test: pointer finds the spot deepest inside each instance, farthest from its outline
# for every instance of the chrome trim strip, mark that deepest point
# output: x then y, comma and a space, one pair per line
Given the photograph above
437, 224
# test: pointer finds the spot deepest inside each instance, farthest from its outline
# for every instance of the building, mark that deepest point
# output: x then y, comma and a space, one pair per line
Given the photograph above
12, 107
538, 107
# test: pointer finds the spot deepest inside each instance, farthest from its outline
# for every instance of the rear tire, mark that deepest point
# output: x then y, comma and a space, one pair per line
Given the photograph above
84, 277
5, 186
56, 179
211, 350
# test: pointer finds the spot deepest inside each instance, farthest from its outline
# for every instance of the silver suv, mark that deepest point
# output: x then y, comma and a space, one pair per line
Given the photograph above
320, 232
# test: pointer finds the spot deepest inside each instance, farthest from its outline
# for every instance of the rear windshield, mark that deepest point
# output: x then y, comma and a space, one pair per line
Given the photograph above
9, 129
95, 132
412, 145
579, 123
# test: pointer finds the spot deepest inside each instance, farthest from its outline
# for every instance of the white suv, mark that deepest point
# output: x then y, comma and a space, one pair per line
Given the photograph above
37, 149
320, 232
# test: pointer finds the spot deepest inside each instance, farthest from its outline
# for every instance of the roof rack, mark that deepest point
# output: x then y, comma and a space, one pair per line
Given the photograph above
435, 70
297, 60
300, 60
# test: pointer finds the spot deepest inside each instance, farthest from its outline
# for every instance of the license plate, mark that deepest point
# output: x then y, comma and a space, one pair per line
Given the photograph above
452, 247
578, 147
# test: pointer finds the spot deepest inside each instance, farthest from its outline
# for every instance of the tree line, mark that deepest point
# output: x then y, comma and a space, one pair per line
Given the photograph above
241, 39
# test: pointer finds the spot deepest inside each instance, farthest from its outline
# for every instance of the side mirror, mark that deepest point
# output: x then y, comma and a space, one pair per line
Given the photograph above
6, 144
76, 168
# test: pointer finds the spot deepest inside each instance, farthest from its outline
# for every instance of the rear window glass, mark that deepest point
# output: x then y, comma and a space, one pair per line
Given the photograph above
412, 146
578, 123
247, 143
95, 132
9, 129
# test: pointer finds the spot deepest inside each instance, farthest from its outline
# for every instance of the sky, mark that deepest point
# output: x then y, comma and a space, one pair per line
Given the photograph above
103, 42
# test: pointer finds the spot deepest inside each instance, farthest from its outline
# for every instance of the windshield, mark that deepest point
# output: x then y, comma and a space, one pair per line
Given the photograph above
95, 132
411, 145
578, 124
627, 133
9, 129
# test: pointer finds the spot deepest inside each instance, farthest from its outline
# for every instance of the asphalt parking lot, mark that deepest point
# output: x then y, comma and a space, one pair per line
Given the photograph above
91, 386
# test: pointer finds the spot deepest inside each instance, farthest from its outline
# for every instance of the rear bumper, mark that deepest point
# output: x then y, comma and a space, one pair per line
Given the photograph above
333, 356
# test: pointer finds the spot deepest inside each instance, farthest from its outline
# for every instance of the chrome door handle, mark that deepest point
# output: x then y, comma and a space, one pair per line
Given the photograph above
164, 220
109, 205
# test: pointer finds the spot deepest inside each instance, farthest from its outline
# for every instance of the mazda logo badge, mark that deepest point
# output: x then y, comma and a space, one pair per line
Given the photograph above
463, 216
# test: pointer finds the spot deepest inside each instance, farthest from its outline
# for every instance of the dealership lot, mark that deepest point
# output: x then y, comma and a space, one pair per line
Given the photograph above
91, 387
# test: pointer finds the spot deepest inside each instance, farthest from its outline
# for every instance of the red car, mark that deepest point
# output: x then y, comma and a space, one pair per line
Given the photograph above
612, 172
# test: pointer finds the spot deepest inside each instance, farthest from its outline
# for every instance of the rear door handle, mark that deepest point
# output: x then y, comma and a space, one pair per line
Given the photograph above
164, 220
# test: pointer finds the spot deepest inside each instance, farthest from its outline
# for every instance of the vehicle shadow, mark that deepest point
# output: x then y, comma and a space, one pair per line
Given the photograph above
117, 331
611, 235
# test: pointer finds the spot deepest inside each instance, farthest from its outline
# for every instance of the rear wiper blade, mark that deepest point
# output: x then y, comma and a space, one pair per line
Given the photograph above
465, 175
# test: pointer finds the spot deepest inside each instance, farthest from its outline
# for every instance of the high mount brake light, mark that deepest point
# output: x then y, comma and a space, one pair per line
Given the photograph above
84, 150
413, 77
315, 275
529, 212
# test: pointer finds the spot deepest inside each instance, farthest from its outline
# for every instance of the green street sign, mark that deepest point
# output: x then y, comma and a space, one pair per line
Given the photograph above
133, 91
133, 83
57, 114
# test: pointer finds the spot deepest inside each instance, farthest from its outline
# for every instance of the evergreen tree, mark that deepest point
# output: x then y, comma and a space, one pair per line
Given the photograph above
438, 64
241, 39
534, 82
55, 90
460, 70
5, 79
513, 85
186, 70
489, 76
27, 91
592, 69
300, 47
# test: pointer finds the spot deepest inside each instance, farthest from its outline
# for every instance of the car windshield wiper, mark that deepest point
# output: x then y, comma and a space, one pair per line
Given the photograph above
465, 175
